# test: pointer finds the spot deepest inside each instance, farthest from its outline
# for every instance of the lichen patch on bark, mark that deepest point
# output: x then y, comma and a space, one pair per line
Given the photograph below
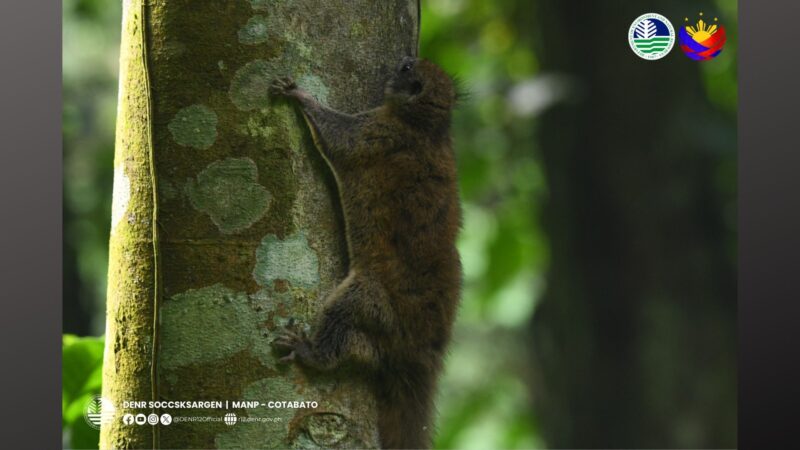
259, 5
228, 191
275, 127
249, 88
224, 322
327, 430
250, 85
314, 85
254, 31
290, 259
194, 126
218, 316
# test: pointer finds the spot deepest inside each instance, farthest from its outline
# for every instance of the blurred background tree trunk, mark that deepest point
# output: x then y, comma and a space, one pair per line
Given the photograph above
224, 222
635, 336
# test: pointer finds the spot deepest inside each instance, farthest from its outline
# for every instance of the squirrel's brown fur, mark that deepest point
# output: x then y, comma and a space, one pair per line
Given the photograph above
392, 315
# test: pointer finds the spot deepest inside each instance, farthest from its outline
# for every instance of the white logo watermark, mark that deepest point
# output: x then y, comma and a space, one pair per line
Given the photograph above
99, 411
230, 419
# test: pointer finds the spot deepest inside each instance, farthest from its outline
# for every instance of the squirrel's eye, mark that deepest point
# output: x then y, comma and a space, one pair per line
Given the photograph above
406, 67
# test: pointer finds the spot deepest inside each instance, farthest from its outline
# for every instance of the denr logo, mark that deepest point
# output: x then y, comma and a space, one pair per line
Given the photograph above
99, 411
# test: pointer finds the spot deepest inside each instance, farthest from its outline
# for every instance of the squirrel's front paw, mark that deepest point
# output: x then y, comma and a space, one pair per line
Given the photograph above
291, 344
283, 86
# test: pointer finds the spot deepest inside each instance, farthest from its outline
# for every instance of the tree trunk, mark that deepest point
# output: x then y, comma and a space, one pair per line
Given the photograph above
225, 219
635, 337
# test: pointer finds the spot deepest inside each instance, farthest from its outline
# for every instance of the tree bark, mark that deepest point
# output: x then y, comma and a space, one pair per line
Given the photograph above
225, 221
635, 337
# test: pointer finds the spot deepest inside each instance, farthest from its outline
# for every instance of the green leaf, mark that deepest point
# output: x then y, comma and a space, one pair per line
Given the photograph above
81, 367
81, 380
80, 435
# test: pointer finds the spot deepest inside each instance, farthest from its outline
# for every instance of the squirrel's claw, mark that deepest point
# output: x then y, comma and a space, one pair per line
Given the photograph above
282, 86
288, 341
288, 359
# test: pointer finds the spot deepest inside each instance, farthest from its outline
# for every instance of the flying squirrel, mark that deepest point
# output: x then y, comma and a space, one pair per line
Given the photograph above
391, 317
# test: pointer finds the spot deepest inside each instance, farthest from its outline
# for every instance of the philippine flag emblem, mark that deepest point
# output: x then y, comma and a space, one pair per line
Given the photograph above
703, 41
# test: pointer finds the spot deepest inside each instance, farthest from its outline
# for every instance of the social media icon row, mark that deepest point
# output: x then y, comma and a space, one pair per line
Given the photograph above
141, 419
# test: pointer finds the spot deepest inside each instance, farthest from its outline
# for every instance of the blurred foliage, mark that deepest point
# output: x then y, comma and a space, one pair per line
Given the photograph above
90, 58
484, 400
721, 84
721, 77
82, 367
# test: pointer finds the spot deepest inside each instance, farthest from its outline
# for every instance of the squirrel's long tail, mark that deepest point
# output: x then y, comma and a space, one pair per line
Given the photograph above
405, 408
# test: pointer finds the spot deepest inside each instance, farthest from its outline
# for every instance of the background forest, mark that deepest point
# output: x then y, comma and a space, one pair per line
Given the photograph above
599, 224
